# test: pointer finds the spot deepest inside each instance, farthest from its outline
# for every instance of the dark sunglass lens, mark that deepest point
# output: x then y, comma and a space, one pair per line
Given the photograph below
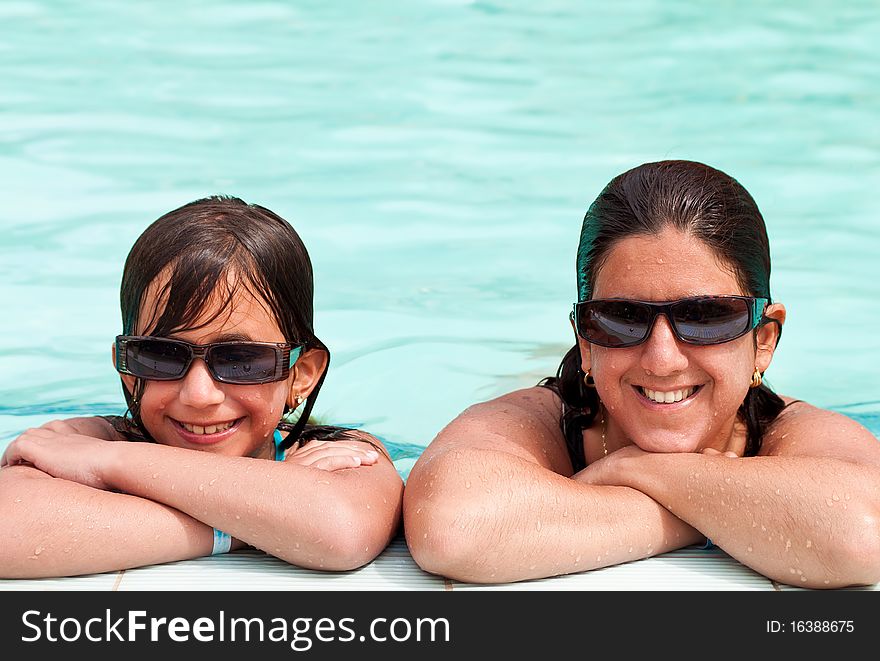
712, 321
156, 359
614, 323
243, 363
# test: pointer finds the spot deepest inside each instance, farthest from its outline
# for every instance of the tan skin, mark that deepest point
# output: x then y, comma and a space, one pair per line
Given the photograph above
493, 498
73, 503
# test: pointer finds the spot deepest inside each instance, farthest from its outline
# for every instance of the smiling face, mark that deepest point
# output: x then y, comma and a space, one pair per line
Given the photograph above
710, 382
197, 412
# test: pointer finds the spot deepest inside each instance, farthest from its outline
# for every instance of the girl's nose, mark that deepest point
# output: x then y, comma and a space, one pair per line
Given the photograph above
661, 352
198, 388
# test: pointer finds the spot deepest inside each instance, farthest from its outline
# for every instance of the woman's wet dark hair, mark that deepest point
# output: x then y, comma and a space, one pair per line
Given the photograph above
209, 248
697, 200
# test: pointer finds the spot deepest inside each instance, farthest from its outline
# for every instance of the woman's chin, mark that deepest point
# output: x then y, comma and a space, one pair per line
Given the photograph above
667, 442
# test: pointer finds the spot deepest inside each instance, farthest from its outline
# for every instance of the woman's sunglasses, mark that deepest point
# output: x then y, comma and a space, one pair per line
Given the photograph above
245, 363
701, 320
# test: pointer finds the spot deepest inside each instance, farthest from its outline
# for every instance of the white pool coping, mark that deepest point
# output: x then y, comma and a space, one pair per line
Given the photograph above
686, 569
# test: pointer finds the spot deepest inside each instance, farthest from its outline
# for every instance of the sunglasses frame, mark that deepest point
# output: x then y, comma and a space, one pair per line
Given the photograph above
757, 305
285, 357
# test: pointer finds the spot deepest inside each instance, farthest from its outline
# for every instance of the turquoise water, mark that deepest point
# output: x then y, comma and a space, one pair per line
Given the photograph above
437, 159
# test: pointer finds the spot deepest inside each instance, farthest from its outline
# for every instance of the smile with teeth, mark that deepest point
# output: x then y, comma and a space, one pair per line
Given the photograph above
668, 397
209, 429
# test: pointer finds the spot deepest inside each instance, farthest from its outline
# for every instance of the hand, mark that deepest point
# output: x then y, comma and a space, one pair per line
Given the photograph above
712, 452
333, 455
93, 426
611, 470
64, 455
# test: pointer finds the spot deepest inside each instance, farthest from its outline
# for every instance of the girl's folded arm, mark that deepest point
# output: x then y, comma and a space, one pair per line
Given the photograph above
55, 527
322, 519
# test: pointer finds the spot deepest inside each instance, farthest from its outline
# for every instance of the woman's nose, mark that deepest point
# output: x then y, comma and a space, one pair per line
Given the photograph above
198, 388
661, 352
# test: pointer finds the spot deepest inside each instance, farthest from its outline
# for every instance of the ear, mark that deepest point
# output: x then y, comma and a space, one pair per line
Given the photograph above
584, 346
127, 379
768, 336
307, 372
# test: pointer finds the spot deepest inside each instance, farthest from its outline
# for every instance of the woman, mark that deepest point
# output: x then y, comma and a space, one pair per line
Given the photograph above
218, 348
657, 431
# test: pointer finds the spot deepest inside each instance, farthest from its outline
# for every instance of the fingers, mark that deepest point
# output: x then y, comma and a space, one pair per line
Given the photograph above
334, 455
712, 452
337, 462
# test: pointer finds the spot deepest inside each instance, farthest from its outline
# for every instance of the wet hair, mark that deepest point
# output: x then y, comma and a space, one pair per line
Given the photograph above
697, 200
201, 254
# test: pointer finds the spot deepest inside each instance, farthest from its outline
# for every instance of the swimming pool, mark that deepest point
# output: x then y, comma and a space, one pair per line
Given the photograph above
437, 159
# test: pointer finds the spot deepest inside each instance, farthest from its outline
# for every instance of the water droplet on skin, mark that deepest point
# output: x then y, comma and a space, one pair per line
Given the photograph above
67, 550
467, 484
201, 487
538, 526
211, 483
296, 546
809, 543
38, 550
803, 579
792, 570
155, 475
777, 492
749, 549
18, 500
836, 498
826, 581
630, 549
829, 502
787, 544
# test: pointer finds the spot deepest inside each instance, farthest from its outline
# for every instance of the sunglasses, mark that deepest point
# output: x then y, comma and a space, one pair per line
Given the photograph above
700, 320
245, 363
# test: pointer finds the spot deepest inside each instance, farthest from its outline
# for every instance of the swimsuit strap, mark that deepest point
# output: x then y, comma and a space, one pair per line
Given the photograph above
279, 453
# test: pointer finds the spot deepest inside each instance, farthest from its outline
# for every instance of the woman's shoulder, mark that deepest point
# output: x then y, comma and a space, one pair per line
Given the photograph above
802, 429
524, 423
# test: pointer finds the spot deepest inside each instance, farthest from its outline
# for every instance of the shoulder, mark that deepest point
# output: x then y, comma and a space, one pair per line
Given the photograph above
524, 423
802, 429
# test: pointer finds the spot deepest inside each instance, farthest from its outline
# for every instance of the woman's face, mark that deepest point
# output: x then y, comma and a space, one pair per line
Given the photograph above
199, 413
666, 267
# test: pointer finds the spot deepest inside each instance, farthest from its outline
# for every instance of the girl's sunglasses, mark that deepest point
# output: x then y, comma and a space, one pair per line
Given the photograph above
246, 363
701, 320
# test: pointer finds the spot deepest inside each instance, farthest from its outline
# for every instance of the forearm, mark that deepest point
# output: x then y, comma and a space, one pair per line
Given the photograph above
807, 521
486, 516
53, 527
306, 516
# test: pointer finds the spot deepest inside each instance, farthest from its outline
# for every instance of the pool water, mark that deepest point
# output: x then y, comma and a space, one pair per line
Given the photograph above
437, 158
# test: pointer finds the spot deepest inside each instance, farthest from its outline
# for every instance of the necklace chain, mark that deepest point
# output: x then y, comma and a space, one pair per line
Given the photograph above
604, 429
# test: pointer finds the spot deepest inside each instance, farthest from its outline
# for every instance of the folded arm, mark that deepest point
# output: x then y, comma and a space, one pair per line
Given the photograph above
335, 518
806, 511
492, 500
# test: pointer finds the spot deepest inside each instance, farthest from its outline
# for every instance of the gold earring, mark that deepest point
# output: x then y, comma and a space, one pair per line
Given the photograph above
588, 380
756, 379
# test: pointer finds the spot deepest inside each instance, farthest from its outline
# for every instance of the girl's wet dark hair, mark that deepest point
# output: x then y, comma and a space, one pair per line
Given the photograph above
697, 200
207, 249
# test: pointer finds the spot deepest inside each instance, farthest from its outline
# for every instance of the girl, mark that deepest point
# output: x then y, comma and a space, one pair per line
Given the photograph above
658, 431
218, 348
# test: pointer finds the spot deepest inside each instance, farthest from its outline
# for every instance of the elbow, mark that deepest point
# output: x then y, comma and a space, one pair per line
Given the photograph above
859, 562
346, 536
854, 557
444, 538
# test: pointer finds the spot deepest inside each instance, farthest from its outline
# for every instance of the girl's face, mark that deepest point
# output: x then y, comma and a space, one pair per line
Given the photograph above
199, 413
666, 267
